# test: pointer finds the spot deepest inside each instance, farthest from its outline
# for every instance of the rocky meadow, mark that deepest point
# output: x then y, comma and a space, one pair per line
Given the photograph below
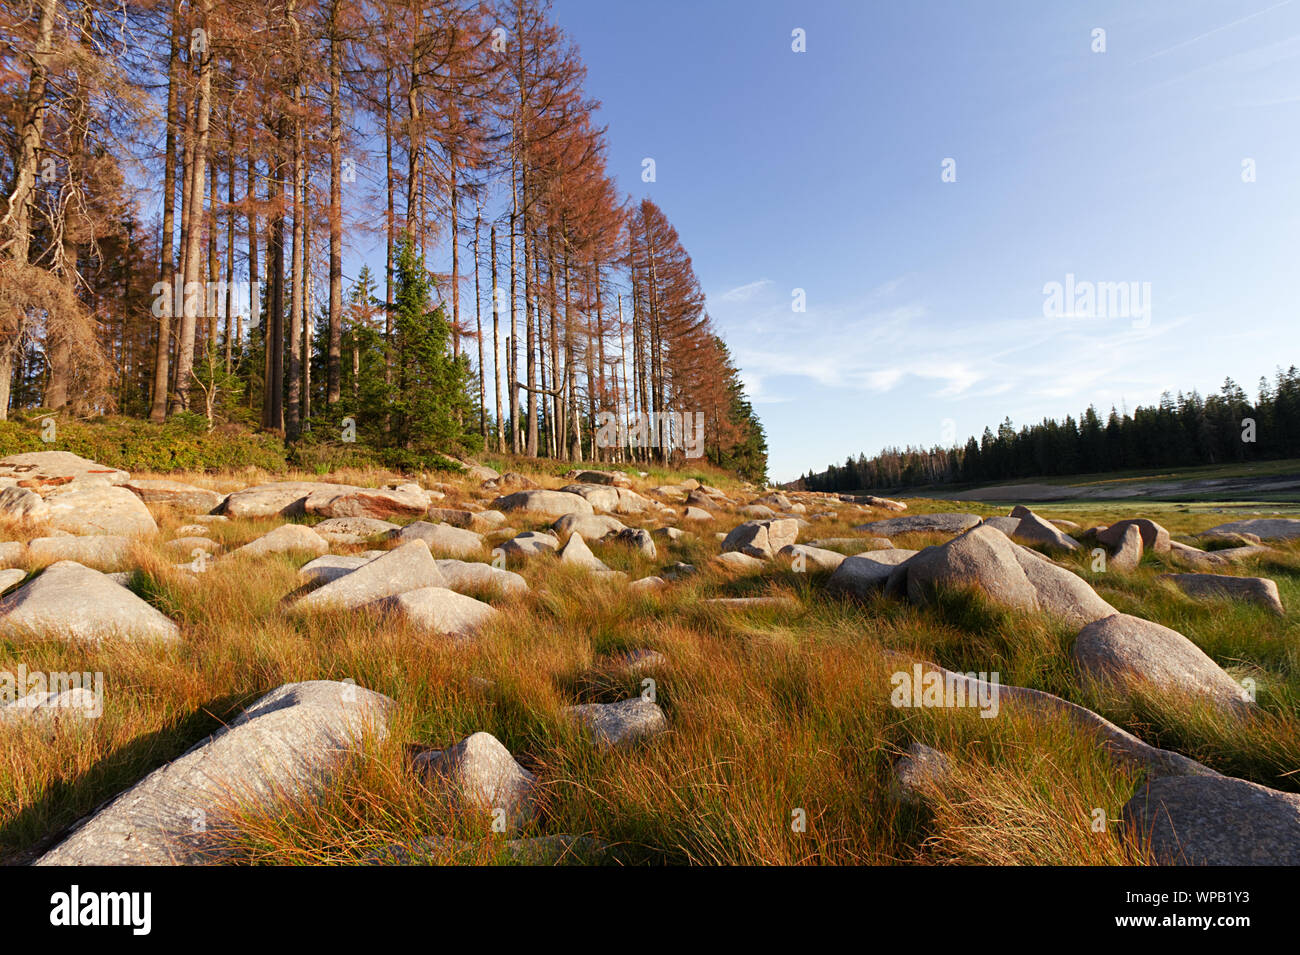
630, 667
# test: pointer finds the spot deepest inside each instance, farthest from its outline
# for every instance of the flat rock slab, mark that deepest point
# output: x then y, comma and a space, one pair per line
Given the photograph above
737, 563
354, 530
100, 551
405, 500
98, 510
921, 524
464, 575
73, 602
40, 470
479, 773
543, 503
1122, 649
1259, 590
290, 743
404, 568
439, 610
1265, 528
442, 538
195, 500
1199, 820
285, 539
617, 724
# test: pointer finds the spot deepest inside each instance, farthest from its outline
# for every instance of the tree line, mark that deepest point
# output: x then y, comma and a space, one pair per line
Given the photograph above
189, 186
1182, 431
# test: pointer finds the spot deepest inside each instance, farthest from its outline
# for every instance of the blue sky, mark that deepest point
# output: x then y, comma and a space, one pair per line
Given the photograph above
925, 316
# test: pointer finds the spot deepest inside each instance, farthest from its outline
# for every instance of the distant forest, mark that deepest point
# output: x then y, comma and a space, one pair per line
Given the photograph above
1180, 431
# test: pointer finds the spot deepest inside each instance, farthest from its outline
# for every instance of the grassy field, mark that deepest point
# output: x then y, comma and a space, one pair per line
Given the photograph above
771, 711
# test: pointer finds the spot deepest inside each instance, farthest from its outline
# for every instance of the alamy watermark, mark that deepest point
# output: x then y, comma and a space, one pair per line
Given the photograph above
941, 689
1085, 299
21, 683
669, 430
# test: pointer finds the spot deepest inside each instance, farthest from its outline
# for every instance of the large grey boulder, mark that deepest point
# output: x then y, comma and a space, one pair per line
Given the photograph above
864, 574
1208, 820
354, 530
187, 497
1035, 530
276, 499
1122, 650
479, 773
615, 478
285, 539
1127, 555
442, 538
104, 550
1007, 525
403, 500
921, 524
404, 568
1258, 590
616, 724
289, 744
1062, 592
464, 575
1265, 528
530, 544
639, 539
543, 503
761, 539
1154, 537
98, 510
1009, 574
576, 553
590, 526
73, 602
438, 610
39, 470
982, 557
805, 558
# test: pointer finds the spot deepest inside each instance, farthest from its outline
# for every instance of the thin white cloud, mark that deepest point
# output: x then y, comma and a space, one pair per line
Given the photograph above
1218, 29
743, 293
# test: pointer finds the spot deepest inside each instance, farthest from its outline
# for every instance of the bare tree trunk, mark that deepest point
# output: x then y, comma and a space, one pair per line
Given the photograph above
158, 409
293, 410
335, 354
18, 214
198, 166
478, 323
496, 344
